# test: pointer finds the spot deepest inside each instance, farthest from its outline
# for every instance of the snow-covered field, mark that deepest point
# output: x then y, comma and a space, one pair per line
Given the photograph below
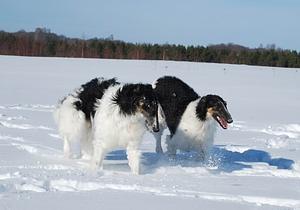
255, 163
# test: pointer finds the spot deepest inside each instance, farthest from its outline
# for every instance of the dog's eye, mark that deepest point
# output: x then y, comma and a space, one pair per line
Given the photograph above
147, 106
142, 101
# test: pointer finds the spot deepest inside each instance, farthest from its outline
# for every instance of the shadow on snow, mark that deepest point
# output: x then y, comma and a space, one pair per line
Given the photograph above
229, 161
221, 160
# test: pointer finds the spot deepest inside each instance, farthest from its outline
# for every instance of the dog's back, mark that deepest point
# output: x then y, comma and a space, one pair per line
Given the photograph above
90, 92
174, 96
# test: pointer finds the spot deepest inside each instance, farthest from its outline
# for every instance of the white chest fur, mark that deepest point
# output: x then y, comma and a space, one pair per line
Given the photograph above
192, 133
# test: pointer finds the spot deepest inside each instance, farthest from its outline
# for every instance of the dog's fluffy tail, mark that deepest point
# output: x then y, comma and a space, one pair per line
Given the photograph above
56, 113
57, 110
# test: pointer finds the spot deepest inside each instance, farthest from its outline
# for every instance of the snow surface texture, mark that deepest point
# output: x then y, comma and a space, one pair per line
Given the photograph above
255, 163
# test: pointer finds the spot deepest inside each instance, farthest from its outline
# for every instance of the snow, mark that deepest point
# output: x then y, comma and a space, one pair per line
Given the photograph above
255, 164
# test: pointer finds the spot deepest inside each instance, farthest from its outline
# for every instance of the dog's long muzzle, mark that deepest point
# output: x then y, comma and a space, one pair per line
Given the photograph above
228, 117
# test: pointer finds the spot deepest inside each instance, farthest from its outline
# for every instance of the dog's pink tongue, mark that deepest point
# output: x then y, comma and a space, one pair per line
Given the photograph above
224, 123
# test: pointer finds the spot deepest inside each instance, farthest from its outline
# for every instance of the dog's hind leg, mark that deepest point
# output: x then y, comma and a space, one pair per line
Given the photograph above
71, 147
74, 138
67, 147
98, 156
76, 148
133, 156
86, 142
71, 126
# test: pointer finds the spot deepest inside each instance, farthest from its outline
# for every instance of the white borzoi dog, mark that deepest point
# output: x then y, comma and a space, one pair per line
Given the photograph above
191, 119
107, 115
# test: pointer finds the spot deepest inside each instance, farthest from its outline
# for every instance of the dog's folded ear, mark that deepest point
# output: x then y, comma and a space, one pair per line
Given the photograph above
138, 101
137, 89
201, 108
203, 99
141, 101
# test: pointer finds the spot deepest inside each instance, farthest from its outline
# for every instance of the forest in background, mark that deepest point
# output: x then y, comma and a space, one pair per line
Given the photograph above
42, 42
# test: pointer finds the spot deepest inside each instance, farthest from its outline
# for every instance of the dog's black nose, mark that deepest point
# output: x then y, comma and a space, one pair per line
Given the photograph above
229, 120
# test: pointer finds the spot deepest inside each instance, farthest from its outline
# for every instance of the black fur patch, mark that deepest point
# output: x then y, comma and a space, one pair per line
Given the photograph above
91, 91
174, 96
129, 95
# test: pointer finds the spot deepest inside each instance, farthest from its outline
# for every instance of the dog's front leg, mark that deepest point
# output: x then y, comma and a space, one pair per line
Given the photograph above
171, 148
158, 147
133, 156
203, 152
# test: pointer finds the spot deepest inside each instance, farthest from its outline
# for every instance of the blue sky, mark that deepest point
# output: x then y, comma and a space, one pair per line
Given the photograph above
197, 22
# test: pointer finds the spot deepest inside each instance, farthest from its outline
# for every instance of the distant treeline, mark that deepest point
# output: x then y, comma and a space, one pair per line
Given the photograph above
42, 42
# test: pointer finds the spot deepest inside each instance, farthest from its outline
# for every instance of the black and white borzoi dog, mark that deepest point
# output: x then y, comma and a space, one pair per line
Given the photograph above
105, 114
191, 119
74, 115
